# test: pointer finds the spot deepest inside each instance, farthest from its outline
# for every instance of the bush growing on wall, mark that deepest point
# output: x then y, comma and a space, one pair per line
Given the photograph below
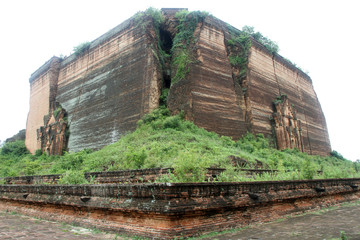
81, 48
268, 43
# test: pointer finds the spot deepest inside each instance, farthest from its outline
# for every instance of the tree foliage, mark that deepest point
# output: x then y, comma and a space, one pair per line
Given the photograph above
16, 148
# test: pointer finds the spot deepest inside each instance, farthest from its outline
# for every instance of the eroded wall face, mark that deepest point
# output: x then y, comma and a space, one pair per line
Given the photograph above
270, 78
208, 95
39, 107
214, 98
42, 96
108, 89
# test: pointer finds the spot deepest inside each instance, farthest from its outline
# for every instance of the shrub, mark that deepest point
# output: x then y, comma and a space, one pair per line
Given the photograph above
182, 62
308, 170
17, 148
81, 48
134, 158
70, 161
269, 44
155, 14
162, 140
157, 114
31, 167
181, 53
73, 177
163, 96
188, 168
337, 155
38, 153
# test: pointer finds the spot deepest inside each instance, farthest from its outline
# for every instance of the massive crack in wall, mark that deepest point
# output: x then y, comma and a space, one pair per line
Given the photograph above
217, 101
110, 86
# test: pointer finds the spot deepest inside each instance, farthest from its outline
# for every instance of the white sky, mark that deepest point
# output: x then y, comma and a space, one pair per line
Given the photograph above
322, 37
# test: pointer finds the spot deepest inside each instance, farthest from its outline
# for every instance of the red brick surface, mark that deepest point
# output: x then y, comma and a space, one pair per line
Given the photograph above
170, 210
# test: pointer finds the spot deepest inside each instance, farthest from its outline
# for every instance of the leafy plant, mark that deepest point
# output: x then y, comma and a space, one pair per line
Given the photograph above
166, 141
187, 168
337, 155
81, 48
155, 14
181, 56
163, 96
269, 44
308, 169
182, 62
239, 45
57, 111
72, 177
16, 149
343, 235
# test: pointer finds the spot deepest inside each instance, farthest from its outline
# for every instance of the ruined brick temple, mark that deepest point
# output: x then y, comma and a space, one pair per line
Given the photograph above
90, 99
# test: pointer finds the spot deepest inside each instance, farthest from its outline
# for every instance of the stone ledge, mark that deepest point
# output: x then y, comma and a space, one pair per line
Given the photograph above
146, 175
173, 210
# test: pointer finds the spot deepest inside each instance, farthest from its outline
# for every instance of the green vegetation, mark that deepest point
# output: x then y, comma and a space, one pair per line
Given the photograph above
57, 111
162, 140
239, 44
280, 99
268, 43
81, 48
14, 149
184, 41
154, 13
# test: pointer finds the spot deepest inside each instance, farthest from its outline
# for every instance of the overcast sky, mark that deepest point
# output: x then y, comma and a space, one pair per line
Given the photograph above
322, 37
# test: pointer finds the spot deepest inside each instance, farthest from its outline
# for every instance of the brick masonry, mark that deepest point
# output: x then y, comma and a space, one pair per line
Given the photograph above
109, 87
147, 175
168, 210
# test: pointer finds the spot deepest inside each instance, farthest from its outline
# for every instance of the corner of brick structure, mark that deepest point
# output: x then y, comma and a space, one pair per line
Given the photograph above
128, 71
170, 210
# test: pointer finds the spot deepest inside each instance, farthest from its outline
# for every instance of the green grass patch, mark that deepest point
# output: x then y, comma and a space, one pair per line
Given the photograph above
162, 140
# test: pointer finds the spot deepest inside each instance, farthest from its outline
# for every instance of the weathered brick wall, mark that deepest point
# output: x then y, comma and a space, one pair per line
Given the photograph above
109, 87
270, 77
174, 210
43, 87
213, 98
104, 91
147, 175
36, 179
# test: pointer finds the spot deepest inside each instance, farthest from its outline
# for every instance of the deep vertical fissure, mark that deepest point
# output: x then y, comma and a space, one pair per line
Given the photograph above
165, 45
166, 41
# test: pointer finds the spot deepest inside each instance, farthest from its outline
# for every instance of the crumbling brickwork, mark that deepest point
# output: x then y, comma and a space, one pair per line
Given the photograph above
106, 89
170, 210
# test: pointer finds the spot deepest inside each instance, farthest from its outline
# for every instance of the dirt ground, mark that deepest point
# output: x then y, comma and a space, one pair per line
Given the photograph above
331, 223
14, 226
324, 224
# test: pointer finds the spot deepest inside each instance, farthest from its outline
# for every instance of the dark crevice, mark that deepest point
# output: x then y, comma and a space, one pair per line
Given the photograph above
165, 40
166, 80
166, 43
